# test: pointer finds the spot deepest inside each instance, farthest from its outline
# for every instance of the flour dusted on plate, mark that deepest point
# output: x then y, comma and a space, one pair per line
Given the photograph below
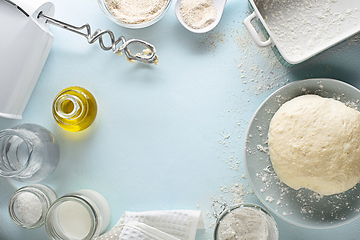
136, 11
198, 14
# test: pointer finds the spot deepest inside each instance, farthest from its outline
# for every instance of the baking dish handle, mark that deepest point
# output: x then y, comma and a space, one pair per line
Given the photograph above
253, 33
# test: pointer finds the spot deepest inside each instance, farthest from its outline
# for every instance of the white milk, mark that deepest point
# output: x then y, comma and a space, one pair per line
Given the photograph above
102, 204
74, 219
73, 216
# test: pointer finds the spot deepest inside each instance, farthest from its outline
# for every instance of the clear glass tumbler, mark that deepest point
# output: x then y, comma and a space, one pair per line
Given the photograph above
28, 153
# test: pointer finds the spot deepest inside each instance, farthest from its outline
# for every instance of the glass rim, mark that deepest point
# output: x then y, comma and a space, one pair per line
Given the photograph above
41, 196
77, 101
86, 203
8, 133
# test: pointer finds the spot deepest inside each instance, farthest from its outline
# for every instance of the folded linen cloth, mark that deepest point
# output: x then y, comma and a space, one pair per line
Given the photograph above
157, 225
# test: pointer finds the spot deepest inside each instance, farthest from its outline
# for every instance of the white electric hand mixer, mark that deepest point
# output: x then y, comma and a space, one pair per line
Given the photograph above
21, 69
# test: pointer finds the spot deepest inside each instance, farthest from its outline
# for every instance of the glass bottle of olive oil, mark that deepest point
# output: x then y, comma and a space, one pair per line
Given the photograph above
74, 109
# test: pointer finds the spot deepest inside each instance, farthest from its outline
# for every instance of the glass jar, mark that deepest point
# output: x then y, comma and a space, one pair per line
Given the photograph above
242, 220
28, 153
83, 214
74, 109
28, 205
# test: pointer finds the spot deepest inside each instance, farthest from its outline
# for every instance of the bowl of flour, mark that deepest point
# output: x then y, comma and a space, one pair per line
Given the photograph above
134, 13
245, 221
319, 203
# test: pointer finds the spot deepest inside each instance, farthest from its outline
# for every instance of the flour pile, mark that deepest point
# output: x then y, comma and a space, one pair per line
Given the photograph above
198, 14
136, 11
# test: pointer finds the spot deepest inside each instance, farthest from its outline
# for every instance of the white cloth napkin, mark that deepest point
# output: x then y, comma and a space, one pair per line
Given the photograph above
157, 225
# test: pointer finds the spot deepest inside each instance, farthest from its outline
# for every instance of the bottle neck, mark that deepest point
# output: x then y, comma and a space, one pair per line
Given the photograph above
68, 107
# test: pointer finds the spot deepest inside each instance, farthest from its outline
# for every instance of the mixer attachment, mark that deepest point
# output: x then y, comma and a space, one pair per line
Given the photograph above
148, 55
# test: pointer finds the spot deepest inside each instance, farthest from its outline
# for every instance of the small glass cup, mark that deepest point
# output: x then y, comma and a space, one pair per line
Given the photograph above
28, 205
107, 12
225, 211
28, 153
83, 214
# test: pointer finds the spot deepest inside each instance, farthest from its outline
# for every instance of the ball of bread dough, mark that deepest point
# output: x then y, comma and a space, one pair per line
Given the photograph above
314, 143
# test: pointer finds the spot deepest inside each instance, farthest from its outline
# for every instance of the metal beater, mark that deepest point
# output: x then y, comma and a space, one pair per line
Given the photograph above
145, 57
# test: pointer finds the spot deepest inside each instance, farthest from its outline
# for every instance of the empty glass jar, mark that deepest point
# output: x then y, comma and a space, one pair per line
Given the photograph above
28, 153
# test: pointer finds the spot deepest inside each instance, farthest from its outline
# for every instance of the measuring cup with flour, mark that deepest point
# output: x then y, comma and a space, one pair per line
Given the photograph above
243, 221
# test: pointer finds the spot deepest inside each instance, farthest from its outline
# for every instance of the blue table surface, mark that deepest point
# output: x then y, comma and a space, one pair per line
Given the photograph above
169, 136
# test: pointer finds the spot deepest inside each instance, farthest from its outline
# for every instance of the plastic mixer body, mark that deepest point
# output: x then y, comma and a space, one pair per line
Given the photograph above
24, 47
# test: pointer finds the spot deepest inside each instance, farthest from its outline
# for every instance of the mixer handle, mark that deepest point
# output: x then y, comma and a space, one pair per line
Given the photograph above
148, 55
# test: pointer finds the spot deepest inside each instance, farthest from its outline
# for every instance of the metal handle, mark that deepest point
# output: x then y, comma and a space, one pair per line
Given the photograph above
145, 57
222, 207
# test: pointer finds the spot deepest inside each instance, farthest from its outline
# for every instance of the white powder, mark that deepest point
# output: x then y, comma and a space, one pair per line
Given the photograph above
136, 11
244, 223
303, 27
198, 14
29, 208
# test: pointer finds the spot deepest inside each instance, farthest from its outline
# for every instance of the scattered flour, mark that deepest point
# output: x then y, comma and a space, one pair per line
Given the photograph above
198, 14
237, 191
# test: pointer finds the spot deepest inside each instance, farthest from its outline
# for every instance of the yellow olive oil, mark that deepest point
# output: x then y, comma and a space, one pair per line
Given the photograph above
74, 109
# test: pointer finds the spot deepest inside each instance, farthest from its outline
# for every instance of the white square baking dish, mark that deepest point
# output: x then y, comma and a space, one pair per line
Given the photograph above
300, 29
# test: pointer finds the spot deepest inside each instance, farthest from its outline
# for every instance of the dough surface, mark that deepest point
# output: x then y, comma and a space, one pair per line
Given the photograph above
314, 143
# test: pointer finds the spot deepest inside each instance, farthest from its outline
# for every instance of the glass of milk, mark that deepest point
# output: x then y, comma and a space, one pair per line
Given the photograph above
83, 214
244, 221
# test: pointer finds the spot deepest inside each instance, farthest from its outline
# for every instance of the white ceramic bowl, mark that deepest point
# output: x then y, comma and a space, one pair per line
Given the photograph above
300, 207
107, 12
